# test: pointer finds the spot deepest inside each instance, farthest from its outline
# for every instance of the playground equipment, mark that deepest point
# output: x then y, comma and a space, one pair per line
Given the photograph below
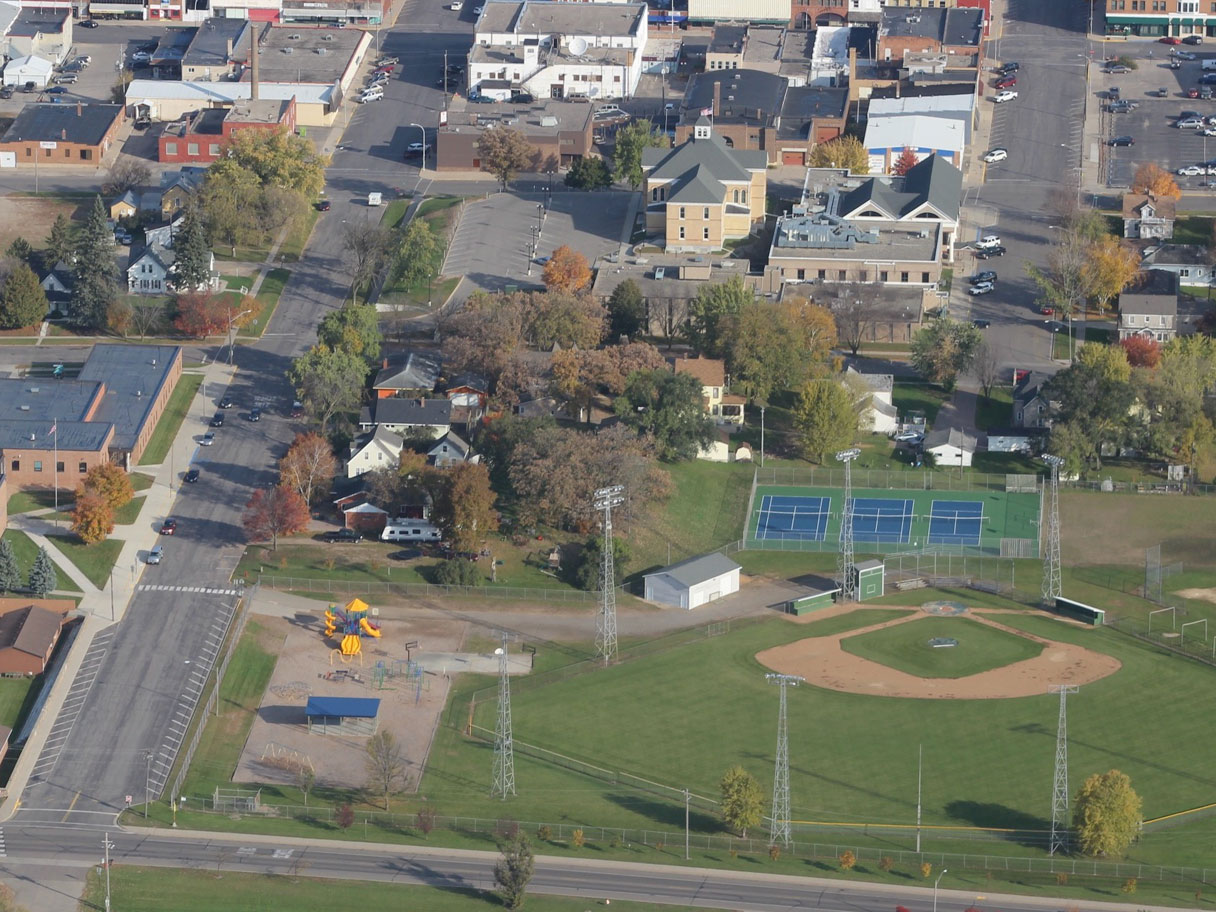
354, 625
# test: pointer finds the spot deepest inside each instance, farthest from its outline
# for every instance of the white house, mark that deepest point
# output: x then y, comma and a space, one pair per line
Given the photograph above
950, 447
558, 50
877, 413
149, 270
380, 450
21, 70
693, 582
450, 450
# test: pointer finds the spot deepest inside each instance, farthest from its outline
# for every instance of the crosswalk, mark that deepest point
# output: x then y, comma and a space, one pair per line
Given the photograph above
3, 853
143, 587
90, 665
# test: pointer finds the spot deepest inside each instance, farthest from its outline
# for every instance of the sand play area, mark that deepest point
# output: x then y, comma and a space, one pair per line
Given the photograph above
823, 662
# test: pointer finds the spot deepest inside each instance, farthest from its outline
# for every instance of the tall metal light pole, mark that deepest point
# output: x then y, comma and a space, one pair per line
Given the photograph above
605, 622
762, 436
231, 335
1053, 586
423, 129
781, 773
935, 883
844, 562
687, 797
147, 781
1059, 789
107, 845
504, 749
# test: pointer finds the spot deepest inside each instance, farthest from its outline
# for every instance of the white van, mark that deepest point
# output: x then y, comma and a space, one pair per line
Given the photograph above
1210, 63
410, 530
373, 94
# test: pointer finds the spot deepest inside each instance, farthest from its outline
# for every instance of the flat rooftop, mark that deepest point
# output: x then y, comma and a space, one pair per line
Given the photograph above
133, 375
745, 95
541, 117
671, 287
29, 399
548, 17
257, 111
912, 22
218, 41
19, 434
173, 45
728, 39
899, 241
32, 21
305, 54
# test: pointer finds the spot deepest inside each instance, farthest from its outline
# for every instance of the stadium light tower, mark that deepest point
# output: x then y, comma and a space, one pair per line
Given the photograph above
781, 774
1052, 584
504, 749
844, 562
605, 622
1059, 790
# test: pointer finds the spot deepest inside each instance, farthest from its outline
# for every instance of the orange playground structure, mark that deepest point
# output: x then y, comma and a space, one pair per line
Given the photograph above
354, 625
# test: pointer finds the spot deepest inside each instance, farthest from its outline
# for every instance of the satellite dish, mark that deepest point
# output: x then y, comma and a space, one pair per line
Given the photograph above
578, 46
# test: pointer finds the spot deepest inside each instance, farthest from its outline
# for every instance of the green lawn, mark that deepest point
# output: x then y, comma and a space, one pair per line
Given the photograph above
842, 623
289, 251
135, 889
28, 501
25, 551
13, 695
94, 561
1190, 229
264, 304
906, 647
171, 419
439, 212
995, 411
129, 512
922, 397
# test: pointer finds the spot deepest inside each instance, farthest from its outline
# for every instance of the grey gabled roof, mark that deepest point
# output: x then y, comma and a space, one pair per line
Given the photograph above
712, 154
155, 252
698, 569
431, 412
698, 186
453, 440
933, 180
418, 370
955, 437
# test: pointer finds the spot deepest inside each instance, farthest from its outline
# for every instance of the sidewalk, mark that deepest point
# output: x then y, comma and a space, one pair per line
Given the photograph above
97, 604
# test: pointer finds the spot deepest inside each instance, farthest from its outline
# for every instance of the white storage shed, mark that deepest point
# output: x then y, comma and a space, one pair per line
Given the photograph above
693, 582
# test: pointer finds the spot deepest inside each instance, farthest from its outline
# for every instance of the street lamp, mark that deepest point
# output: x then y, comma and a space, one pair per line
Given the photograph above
107, 845
232, 336
935, 883
423, 129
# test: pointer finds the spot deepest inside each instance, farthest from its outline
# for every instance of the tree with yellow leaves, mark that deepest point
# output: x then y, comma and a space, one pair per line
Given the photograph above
1153, 179
1110, 266
842, 152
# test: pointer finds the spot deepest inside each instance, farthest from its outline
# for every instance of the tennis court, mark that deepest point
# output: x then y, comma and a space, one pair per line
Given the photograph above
796, 517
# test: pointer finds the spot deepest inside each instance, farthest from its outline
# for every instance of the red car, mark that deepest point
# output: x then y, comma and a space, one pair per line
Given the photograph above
1192, 93
389, 69
168, 527
1047, 310
1168, 39
1007, 82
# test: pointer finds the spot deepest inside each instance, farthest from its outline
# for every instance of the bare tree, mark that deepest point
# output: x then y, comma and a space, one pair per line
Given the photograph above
366, 246
306, 778
147, 317
671, 315
125, 174
385, 763
856, 308
986, 368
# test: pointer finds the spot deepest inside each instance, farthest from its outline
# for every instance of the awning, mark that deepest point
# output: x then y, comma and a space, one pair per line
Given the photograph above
1186, 22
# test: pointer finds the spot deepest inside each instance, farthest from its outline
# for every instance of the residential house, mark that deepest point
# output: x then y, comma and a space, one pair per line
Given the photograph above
950, 447
177, 189
1150, 307
150, 270
450, 450
413, 374
162, 233
378, 450
1190, 262
1031, 406
468, 390
126, 206
57, 284
877, 412
1146, 217
702, 193
711, 372
1015, 440
887, 138
29, 630
408, 417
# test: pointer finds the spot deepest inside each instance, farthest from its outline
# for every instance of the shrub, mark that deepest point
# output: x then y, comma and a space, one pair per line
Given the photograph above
344, 817
577, 839
886, 863
544, 833
1129, 885
848, 860
457, 572
426, 820
926, 870
774, 852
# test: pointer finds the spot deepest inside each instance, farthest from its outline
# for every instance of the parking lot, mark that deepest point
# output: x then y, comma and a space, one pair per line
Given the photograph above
1150, 123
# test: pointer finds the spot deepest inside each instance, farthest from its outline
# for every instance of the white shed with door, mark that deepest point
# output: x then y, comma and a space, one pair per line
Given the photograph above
21, 70
693, 582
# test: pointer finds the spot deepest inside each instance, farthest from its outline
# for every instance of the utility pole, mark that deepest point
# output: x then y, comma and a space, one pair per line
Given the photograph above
1052, 583
781, 773
920, 754
687, 796
762, 436
605, 622
504, 750
107, 845
1059, 790
147, 781
844, 563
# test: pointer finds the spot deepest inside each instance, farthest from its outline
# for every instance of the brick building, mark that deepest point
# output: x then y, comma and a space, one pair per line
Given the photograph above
1160, 18
29, 630
956, 33
558, 132
201, 135
62, 134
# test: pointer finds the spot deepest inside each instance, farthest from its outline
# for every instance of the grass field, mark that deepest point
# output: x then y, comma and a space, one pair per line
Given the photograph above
921, 397
171, 419
26, 551
94, 561
906, 647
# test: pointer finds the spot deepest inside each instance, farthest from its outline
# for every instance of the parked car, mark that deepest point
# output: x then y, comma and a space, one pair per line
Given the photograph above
456, 6
996, 155
208, 439
1193, 39
522, 98
56, 90
347, 536
1174, 64
386, 61
255, 414
1186, 55
1192, 92
297, 409
1011, 67
1117, 69
981, 288
909, 436
1047, 310
1121, 141
985, 252
1006, 82
1120, 107
1189, 123
988, 241
168, 527
1164, 93
981, 324
87, 23
980, 277
191, 477
417, 148
1206, 93
218, 420
1170, 39
1191, 171
324, 206
8, 91
1002, 97
141, 57
155, 555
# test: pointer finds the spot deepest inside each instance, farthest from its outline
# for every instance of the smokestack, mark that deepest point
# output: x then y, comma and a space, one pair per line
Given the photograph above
253, 56
63, 135
79, 109
717, 98
228, 42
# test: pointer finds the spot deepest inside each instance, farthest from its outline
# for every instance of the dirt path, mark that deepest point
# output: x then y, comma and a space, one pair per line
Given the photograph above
822, 662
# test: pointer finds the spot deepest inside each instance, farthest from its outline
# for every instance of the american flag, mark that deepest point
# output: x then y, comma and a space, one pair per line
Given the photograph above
707, 112
52, 430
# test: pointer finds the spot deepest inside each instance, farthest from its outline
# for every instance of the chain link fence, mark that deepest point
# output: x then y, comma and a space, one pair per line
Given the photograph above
430, 590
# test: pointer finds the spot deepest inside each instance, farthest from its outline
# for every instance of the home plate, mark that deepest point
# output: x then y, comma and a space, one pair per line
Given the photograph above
450, 663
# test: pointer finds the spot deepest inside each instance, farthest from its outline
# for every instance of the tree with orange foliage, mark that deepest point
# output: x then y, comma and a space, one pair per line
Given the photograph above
272, 512
93, 518
1153, 179
203, 314
567, 270
905, 163
1142, 351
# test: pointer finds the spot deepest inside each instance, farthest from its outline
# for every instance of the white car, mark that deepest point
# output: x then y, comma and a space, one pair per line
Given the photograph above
1190, 171
456, 7
996, 155
1002, 97
988, 240
982, 288
1209, 131
208, 439
908, 436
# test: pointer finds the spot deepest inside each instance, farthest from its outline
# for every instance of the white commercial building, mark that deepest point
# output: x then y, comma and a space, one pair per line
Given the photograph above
693, 582
713, 11
925, 134
558, 50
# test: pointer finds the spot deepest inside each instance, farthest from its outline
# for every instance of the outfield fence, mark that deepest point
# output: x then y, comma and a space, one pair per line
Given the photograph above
945, 571
430, 590
670, 843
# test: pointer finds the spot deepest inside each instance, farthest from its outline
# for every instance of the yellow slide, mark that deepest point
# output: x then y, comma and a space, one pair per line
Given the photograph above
368, 628
330, 621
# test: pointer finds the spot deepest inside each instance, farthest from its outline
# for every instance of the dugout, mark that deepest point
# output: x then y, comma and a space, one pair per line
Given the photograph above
812, 601
871, 580
342, 715
1079, 611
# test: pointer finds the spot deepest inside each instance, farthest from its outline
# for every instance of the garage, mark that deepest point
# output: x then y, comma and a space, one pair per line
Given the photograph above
693, 582
21, 70
795, 157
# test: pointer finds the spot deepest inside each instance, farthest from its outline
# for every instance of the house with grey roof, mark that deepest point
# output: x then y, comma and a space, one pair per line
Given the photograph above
380, 449
149, 270
427, 418
450, 450
1031, 406
703, 193
1149, 308
950, 447
693, 582
413, 374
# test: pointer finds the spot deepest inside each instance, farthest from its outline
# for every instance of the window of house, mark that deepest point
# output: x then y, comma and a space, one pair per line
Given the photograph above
170, 148
681, 212
192, 148
924, 277
863, 275
1184, 272
59, 467
823, 273
801, 274
16, 465
213, 149
83, 468
681, 232
717, 392
37, 465
882, 275
706, 215
903, 277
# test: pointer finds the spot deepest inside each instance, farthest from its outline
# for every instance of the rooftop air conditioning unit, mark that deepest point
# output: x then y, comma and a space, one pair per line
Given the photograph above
324, 37
294, 37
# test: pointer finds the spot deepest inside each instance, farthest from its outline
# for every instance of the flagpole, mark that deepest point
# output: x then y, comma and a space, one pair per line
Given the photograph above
55, 434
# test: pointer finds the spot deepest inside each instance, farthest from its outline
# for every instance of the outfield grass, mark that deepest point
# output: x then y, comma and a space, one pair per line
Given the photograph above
906, 647
842, 623
135, 889
171, 419
94, 561
26, 551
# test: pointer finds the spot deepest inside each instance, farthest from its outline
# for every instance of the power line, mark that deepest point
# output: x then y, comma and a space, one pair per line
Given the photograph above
781, 774
504, 748
844, 562
605, 622
1059, 790
1053, 586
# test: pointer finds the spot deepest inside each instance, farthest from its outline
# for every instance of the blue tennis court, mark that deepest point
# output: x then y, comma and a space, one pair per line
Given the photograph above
790, 518
881, 519
956, 522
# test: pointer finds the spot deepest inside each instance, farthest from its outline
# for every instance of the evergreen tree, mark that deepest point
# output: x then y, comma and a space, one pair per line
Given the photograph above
23, 302
10, 574
96, 286
626, 310
42, 575
192, 248
61, 242
20, 249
